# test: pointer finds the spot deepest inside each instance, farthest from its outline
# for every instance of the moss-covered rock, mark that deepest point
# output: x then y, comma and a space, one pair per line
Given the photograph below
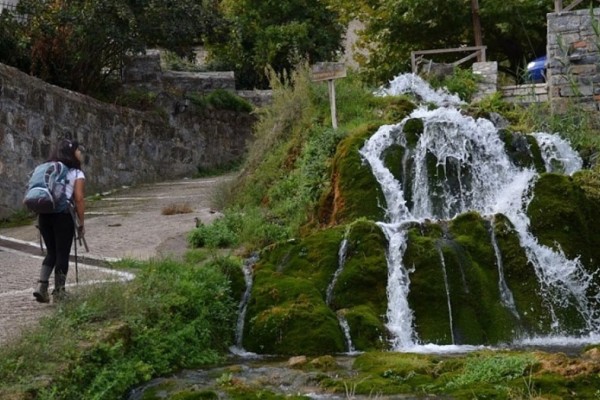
455, 292
288, 312
562, 214
563, 218
354, 190
363, 279
367, 328
288, 298
521, 279
522, 150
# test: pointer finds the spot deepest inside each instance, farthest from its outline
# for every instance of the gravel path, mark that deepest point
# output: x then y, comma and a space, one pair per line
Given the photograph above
125, 224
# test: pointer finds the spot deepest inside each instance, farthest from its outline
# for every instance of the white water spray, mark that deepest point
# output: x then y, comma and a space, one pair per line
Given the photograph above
506, 295
243, 306
341, 262
346, 330
443, 262
473, 173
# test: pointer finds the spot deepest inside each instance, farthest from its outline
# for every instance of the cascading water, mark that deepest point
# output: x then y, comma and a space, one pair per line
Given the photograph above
473, 173
447, 287
338, 271
506, 295
329, 293
243, 305
346, 330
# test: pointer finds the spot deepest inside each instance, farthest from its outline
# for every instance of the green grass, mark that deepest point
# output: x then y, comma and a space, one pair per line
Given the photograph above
19, 218
220, 99
105, 339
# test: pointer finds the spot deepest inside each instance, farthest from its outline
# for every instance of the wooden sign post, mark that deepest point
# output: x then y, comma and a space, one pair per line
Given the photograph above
329, 71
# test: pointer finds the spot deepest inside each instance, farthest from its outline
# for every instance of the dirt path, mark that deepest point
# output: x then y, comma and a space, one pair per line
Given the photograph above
125, 224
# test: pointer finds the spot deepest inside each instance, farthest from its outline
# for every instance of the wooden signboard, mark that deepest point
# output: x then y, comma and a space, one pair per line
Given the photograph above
329, 71
325, 71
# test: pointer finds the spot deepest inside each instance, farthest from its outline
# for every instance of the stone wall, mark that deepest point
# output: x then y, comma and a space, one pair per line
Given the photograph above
145, 71
525, 94
488, 78
573, 60
124, 146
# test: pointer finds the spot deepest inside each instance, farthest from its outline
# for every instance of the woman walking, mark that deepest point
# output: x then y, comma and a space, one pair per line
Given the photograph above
58, 229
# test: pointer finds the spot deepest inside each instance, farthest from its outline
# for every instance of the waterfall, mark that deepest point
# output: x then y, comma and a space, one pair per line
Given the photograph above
445, 274
340, 268
329, 294
473, 173
243, 305
506, 295
346, 329
558, 154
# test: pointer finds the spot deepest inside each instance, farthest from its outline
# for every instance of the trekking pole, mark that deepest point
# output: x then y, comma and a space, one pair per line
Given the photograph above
77, 236
75, 245
40, 236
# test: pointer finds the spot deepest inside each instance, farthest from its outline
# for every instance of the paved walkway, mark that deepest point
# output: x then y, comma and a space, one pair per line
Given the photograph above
125, 224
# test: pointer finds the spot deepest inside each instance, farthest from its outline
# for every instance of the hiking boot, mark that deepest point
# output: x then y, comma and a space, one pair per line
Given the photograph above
41, 292
59, 292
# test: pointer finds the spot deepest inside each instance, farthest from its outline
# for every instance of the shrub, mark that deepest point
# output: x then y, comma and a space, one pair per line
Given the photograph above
114, 336
220, 99
217, 234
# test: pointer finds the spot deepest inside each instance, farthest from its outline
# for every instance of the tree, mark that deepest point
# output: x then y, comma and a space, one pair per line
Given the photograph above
275, 33
78, 44
513, 31
178, 24
67, 45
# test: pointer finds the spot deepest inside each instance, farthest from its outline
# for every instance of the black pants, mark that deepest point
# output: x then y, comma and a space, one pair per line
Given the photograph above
58, 231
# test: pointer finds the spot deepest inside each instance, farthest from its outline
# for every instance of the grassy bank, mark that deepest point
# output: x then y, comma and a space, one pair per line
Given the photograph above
105, 339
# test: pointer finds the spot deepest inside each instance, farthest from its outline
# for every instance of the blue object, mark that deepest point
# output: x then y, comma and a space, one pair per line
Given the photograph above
536, 70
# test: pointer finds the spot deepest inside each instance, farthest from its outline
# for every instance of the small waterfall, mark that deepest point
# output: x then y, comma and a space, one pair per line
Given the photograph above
415, 84
329, 294
340, 268
472, 173
506, 295
346, 329
243, 305
558, 154
445, 274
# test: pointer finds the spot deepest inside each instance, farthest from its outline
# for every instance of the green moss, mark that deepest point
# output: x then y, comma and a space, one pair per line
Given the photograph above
363, 279
367, 328
521, 280
314, 257
393, 109
354, 191
466, 283
392, 158
562, 214
413, 129
288, 316
392, 373
563, 218
480, 316
220, 99
287, 313
427, 297
523, 150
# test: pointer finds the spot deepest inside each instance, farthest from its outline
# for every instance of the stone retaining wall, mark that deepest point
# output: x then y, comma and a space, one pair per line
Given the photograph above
125, 147
573, 60
525, 94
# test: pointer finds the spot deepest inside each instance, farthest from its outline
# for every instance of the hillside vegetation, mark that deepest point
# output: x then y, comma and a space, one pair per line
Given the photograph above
182, 315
